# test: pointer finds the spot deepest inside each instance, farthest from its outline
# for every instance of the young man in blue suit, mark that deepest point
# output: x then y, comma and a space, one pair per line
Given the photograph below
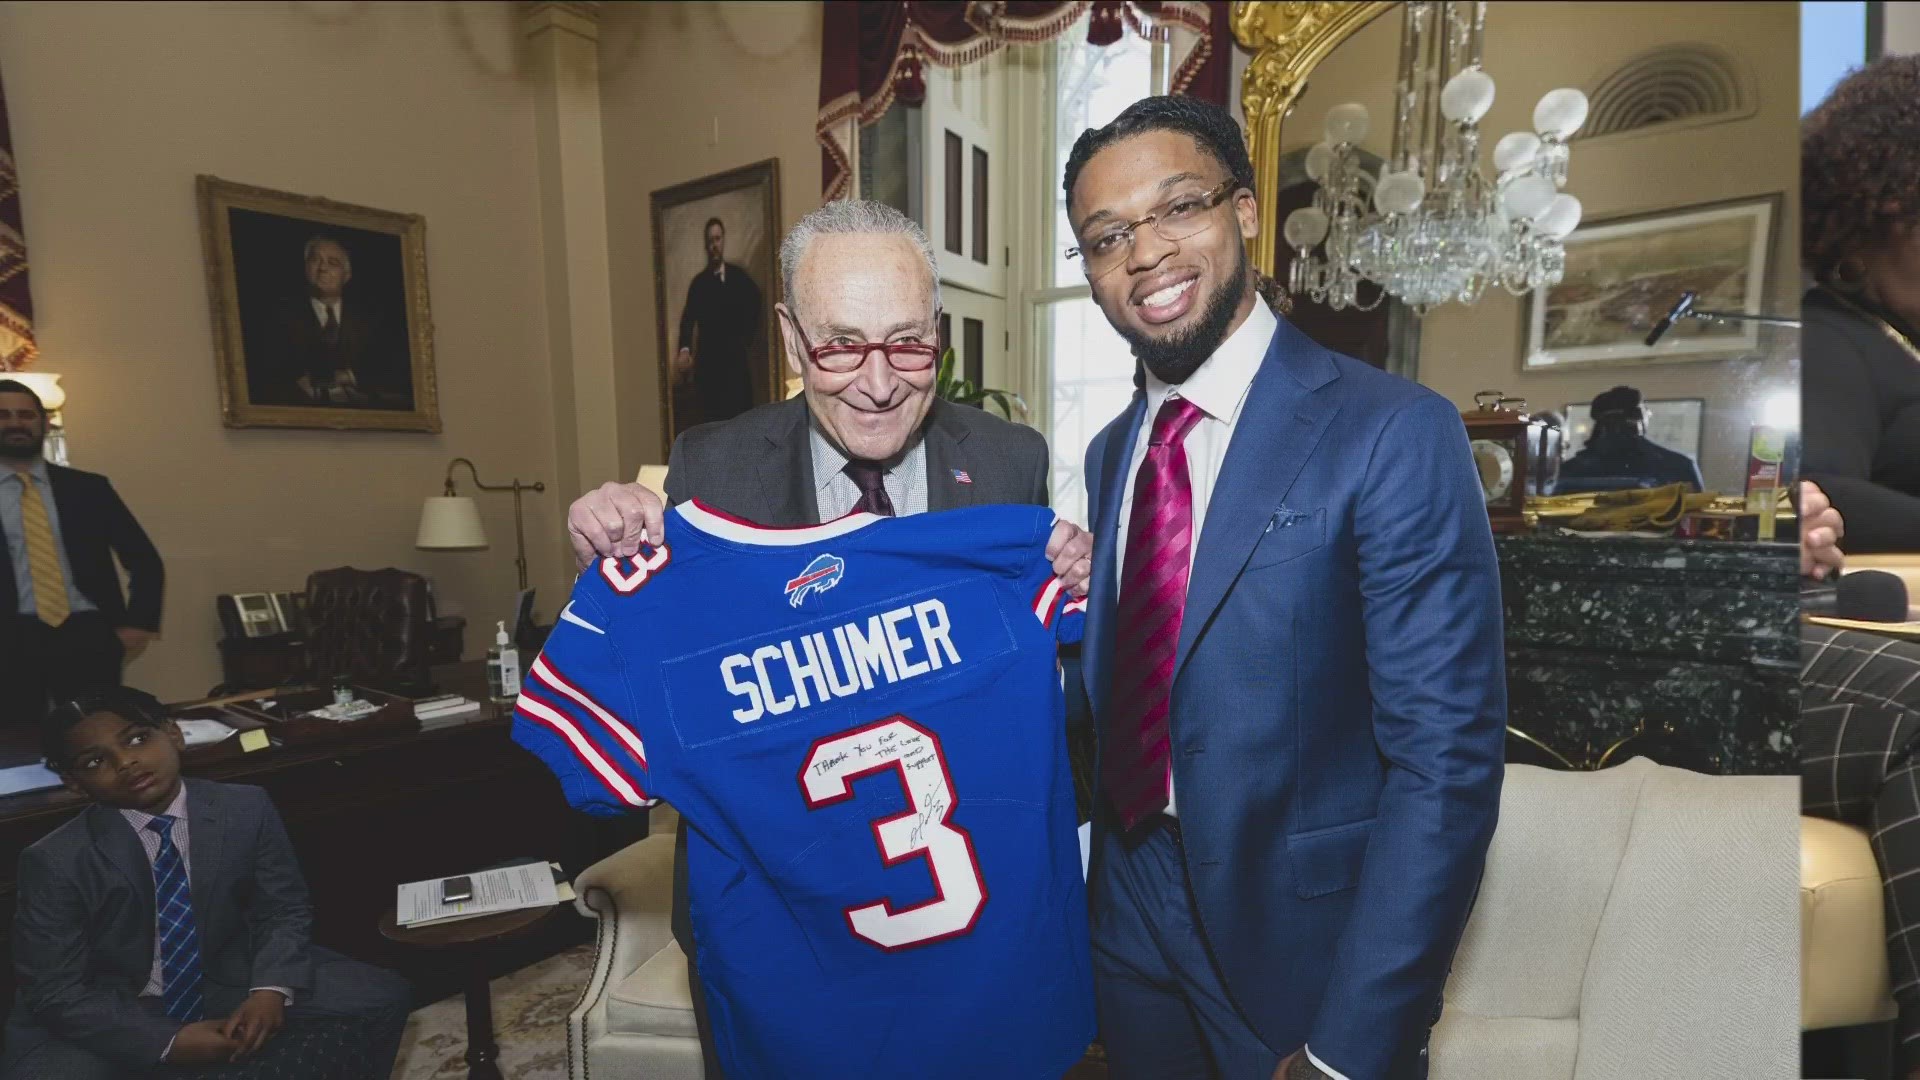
1293, 650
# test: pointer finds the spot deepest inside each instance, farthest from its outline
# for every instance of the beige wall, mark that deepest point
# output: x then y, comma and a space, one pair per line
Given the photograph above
115, 108
688, 90
1902, 26
1533, 48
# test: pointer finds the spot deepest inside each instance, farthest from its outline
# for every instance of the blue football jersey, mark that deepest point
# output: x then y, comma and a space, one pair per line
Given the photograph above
862, 723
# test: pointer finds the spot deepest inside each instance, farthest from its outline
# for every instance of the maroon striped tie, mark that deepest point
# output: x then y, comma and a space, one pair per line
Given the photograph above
1134, 752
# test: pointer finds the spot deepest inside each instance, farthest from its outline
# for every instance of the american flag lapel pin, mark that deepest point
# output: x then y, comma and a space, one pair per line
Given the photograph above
960, 476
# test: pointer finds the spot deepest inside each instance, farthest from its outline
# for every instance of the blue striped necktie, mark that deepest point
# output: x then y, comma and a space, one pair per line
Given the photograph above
179, 941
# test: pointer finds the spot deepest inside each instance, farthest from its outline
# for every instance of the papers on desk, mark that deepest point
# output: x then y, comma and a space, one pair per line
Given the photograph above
24, 778
508, 888
352, 710
205, 732
440, 711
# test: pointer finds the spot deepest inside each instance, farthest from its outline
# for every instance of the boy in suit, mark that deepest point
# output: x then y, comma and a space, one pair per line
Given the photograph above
167, 927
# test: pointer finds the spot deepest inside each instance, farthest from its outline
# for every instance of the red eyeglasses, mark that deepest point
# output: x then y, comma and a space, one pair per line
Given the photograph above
842, 357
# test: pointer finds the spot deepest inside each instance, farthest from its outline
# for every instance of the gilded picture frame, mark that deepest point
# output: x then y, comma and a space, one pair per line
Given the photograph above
320, 311
1626, 271
733, 359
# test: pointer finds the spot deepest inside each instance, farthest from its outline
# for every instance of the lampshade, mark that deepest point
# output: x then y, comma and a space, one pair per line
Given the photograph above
654, 479
450, 523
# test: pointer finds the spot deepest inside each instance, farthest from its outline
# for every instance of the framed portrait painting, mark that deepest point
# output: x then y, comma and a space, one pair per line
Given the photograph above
320, 312
716, 244
1624, 273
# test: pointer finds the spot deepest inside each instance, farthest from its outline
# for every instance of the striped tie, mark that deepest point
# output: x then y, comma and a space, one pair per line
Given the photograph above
1134, 756
43, 556
179, 941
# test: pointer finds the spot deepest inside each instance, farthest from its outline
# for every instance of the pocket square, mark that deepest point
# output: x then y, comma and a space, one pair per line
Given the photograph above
1284, 518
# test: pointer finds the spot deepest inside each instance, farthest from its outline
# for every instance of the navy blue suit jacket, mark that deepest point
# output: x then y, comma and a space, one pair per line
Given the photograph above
1339, 700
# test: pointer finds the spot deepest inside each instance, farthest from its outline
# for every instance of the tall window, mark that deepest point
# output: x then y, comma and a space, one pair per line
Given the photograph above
1084, 370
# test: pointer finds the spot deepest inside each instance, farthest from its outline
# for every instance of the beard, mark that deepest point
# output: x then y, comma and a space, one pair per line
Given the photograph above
19, 449
1175, 358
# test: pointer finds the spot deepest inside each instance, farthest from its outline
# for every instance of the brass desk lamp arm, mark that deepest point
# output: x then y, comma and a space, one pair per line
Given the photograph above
519, 521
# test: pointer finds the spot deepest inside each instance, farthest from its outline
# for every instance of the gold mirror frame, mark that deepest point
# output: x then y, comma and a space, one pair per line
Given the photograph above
1287, 39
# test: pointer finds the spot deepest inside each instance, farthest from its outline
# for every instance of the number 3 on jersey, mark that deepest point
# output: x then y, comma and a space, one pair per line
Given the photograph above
913, 754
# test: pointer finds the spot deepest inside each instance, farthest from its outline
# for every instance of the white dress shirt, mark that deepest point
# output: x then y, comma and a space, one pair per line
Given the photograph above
320, 308
1219, 388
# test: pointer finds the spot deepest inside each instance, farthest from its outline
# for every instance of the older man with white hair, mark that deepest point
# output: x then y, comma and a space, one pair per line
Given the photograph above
859, 323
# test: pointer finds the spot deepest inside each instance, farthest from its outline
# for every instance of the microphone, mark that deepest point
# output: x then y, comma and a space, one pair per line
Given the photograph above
1871, 596
1680, 309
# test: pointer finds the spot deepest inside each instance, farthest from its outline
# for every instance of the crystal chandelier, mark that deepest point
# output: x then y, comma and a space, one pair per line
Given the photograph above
1431, 227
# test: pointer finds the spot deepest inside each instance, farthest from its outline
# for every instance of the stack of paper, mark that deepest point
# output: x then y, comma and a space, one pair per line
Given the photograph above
444, 708
24, 778
352, 710
204, 732
509, 888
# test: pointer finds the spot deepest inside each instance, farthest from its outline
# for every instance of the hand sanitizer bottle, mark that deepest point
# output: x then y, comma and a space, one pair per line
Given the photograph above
503, 668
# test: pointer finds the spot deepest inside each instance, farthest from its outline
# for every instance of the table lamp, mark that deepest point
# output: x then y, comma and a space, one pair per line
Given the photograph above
451, 521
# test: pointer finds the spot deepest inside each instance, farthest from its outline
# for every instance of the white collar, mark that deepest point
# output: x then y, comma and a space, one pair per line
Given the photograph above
706, 519
177, 809
1220, 386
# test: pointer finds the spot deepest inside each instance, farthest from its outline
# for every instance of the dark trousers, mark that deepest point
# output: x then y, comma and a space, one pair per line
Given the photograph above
1164, 1009
346, 1026
42, 663
1859, 730
683, 933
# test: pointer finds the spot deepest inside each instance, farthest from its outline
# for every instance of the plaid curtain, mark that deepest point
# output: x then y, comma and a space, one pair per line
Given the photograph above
873, 52
16, 304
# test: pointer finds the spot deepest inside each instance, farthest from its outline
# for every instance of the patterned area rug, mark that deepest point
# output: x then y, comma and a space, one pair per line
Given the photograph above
530, 1010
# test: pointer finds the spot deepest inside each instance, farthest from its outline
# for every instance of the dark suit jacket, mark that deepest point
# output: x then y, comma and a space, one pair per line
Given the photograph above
83, 925
1339, 700
759, 466
293, 346
1629, 457
95, 526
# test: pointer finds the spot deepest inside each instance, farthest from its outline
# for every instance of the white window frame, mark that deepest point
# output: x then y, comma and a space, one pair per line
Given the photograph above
1032, 99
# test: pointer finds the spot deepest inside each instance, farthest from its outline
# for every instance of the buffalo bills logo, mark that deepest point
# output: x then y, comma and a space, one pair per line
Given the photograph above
821, 574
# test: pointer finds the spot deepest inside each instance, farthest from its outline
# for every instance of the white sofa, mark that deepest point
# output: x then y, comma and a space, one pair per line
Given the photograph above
1634, 924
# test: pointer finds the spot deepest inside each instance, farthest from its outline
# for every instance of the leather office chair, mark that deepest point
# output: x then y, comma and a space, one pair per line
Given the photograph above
371, 626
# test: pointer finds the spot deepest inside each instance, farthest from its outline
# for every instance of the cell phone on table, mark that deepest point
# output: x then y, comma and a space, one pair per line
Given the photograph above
455, 890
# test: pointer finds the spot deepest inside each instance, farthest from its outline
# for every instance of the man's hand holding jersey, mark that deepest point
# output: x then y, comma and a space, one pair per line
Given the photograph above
613, 519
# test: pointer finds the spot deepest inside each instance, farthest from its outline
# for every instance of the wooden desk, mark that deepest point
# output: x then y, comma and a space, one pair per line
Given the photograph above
366, 816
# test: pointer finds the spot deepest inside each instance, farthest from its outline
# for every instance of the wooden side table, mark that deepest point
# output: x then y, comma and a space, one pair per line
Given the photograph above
471, 937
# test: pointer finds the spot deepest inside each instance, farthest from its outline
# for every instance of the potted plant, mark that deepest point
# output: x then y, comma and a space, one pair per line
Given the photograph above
951, 386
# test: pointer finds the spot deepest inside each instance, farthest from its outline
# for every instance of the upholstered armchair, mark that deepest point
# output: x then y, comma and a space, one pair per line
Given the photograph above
635, 1017
1633, 922
1843, 928
372, 626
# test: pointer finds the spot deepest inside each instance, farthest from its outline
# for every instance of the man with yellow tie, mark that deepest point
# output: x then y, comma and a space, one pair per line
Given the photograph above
64, 622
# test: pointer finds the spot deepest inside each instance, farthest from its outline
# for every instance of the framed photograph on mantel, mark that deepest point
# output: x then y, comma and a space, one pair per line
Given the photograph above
320, 313
715, 247
1624, 273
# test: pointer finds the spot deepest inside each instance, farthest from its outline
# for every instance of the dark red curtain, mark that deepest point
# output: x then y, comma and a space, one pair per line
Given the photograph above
16, 304
874, 52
